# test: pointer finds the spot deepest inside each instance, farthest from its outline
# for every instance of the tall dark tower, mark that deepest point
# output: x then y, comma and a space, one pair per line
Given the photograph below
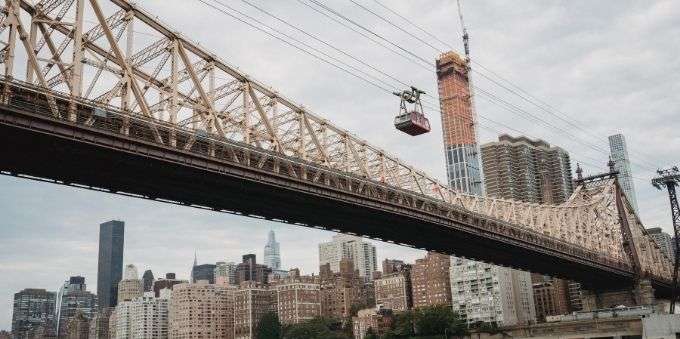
110, 266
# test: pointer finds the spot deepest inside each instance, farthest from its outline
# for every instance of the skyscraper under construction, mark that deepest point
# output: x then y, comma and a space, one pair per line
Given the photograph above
458, 124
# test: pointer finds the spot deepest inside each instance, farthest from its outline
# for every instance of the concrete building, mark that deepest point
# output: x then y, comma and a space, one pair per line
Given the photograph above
362, 254
145, 317
251, 302
618, 152
201, 310
463, 168
339, 292
487, 293
168, 282
250, 270
378, 320
526, 170
110, 263
523, 169
430, 281
72, 299
78, 327
32, 308
298, 298
131, 287
664, 240
225, 273
99, 324
393, 290
272, 252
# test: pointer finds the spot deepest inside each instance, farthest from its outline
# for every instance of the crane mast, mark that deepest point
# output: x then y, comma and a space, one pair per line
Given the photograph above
466, 43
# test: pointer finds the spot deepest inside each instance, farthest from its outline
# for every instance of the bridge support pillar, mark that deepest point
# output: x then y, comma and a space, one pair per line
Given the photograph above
641, 294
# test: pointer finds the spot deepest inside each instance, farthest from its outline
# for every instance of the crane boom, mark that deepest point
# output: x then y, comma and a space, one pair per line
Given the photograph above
465, 33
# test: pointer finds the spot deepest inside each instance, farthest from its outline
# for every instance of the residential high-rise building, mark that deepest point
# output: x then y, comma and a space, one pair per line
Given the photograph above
523, 169
251, 301
250, 270
297, 298
619, 155
392, 266
378, 320
131, 287
147, 280
272, 252
201, 310
430, 281
225, 273
340, 291
144, 317
168, 282
362, 254
550, 296
73, 299
99, 324
110, 264
664, 240
487, 293
33, 308
526, 170
78, 327
463, 168
393, 290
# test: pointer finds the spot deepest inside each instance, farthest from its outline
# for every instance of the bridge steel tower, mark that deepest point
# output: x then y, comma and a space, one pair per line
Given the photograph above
669, 178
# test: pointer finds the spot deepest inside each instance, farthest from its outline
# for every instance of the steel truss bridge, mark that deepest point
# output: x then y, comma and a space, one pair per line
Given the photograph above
86, 102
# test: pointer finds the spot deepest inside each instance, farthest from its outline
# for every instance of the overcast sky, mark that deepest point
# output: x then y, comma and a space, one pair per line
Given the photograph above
606, 66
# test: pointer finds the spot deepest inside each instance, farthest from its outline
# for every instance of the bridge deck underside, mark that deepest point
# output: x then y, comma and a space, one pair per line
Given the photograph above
33, 145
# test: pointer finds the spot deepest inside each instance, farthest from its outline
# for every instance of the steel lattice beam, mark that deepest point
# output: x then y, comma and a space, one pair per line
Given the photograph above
172, 84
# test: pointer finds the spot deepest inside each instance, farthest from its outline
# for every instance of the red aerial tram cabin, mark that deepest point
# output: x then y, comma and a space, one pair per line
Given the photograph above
411, 122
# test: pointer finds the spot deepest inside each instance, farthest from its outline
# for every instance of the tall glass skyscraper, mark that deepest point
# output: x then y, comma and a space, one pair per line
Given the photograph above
511, 303
619, 154
272, 255
110, 266
463, 168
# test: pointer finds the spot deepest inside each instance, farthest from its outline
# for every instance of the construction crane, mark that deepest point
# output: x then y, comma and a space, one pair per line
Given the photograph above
413, 121
466, 37
670, 178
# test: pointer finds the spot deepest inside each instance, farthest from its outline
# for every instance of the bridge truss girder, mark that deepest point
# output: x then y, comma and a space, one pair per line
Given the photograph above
126, 59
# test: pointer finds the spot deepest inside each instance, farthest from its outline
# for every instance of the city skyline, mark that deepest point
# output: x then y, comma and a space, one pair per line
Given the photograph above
47, 231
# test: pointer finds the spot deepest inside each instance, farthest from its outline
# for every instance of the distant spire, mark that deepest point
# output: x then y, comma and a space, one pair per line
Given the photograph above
579, 171
192, 267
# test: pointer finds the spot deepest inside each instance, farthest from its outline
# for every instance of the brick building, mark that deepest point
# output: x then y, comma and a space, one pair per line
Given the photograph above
339, 292
251, 302
201, 310
430, 280
393, 290
297, 298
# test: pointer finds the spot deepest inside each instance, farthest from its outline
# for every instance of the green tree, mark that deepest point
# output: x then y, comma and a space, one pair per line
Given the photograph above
370, 334
317, 328
402, 325
438, 320
269, 327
